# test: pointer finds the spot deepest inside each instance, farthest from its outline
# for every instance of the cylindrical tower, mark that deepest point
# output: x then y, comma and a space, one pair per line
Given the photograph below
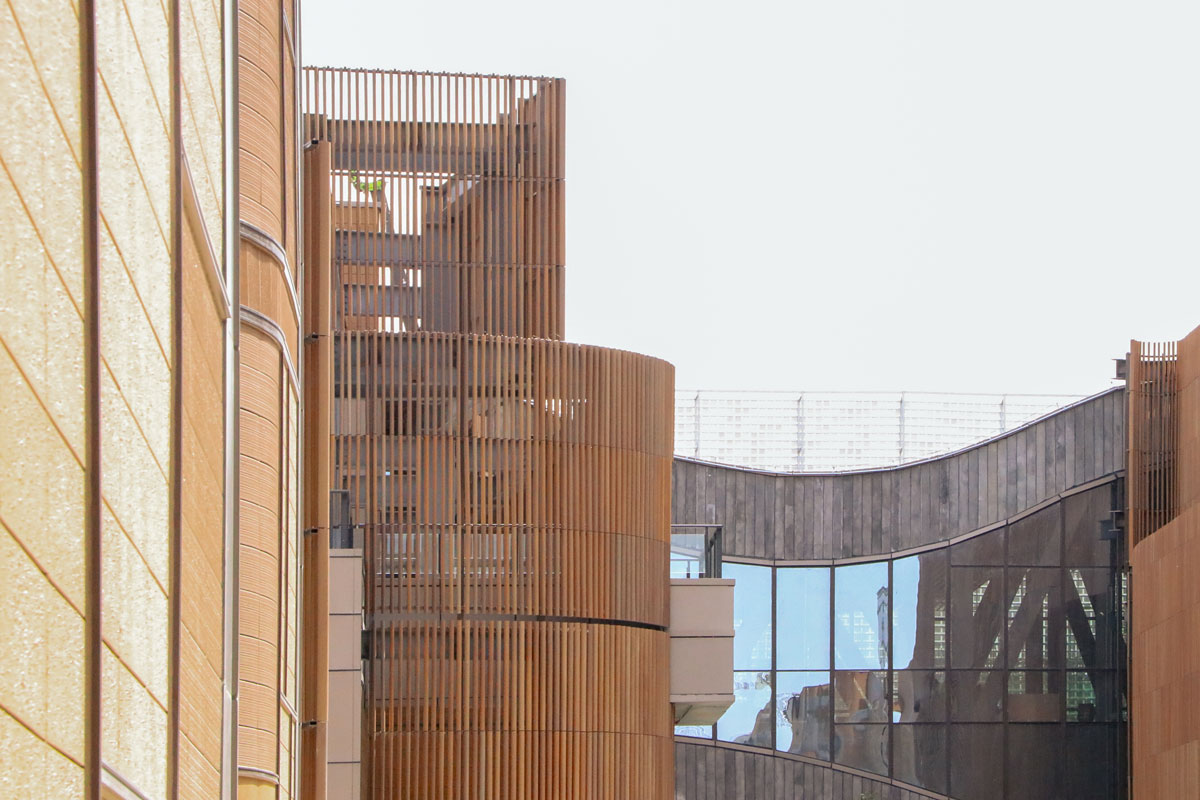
513, 489
268, 721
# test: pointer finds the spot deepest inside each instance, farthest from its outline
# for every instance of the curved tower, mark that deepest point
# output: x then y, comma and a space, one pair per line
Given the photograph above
513, 490
269, 413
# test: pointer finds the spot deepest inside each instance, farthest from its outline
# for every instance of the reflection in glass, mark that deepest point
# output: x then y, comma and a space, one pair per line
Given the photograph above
1090, 755
803, 615
1092, 641
751, 615
862, 747
1035, 618
1083, 515
1035, 696
976, 765
919, 696
1036, 540
976, 615
700, 731
919, 585
749, 719
860, 697
1093, 696
984, 550
802, 725
919, 755
976, 696
1034, 759
861, 616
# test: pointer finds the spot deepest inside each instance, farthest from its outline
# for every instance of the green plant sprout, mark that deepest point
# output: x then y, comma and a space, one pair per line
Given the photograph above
365, 186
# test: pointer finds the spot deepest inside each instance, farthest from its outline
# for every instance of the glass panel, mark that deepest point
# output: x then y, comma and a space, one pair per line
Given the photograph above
1035, 696
751, 615
1090, 753
1036, 541
861, 613
748, 720
803, 615
687, 553
918, 696
1035, 618
976, 612
976, 768
802, 726
1084, 515
1092, 636
862, 747
860, 697
1034, 758
976, 696
699, 731
984, 550
919, 589
1094, 696
919, 755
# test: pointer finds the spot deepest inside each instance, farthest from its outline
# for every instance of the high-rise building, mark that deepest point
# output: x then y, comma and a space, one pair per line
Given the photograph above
833, 431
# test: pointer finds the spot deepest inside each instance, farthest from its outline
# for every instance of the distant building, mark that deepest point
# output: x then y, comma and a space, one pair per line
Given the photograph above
830, 431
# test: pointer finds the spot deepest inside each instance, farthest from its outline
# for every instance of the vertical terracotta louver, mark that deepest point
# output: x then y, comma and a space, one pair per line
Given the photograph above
1152, 473
512, 490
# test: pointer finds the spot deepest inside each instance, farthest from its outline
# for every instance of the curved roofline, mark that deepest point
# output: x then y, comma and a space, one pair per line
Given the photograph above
907, 464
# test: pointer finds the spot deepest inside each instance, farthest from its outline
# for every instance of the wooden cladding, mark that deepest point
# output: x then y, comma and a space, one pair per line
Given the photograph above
448, 200
513, 490
1151, 461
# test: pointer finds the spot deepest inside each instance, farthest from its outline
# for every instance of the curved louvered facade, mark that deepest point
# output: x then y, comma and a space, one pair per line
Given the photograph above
513, 490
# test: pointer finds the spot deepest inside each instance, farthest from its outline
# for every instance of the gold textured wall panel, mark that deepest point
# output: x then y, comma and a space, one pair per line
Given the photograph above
101, 143
134, 157
42, 403
513, 490
1164, 500
201, 114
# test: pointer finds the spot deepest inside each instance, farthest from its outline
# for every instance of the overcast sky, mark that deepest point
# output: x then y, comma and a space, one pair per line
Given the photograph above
857, 195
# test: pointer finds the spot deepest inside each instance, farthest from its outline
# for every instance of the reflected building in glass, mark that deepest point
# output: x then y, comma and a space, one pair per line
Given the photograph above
952, 628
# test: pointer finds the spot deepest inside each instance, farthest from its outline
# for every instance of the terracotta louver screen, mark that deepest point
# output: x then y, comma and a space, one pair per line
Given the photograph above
513, 489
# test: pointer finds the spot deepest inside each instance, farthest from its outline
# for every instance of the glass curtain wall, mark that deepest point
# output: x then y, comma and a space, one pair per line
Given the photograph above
986, 669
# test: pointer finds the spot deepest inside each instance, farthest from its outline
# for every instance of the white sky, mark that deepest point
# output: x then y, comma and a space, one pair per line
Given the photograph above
851, 194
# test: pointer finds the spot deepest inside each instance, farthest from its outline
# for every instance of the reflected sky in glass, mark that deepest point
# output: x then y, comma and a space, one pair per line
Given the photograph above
906, 578
803, 617
751, 615
749, 719
861, 616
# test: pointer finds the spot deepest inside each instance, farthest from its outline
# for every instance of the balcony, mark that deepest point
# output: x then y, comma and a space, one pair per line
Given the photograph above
701, 627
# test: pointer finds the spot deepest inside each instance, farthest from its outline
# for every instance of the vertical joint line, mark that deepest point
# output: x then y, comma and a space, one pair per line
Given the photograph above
91, 346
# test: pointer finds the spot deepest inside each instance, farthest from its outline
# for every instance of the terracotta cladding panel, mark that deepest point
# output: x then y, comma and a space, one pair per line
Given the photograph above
264, 290
199, 778
200, 701
1164, 512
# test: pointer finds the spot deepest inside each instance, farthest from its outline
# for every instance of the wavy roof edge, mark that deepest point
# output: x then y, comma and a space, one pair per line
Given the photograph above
917, 462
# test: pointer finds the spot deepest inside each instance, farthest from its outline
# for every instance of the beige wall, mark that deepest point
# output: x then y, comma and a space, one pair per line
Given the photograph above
42, 403
161, 394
